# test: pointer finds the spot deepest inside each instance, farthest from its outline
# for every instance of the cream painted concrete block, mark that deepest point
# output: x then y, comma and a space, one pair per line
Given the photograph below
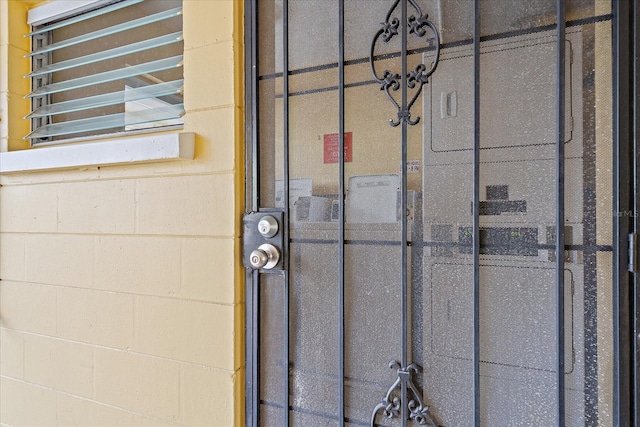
77, 412
164, 168
215, 141
18, 127
11, 354
184, 330
13, 66
59, 364
18, 27
147, 385
97, 207
28, 307
19, 67
186, 205
23, 404
138, 264
12, 256
18, 144
207, 22
4, 41
149, 421
59, 259
4, 110
95, 317
209, 83
49, 177
31, 208
160, 168
208, 270
206, 396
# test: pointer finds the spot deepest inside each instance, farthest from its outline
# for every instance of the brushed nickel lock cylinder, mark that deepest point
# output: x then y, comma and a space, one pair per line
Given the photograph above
268, 226
266, 257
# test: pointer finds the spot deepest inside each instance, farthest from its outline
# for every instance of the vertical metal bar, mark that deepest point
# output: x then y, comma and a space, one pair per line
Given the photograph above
403, 187
251, 101
635, 37
622, 146
255, 347
252, 312
403, 203
341, 231
285, 187
560, 209
476, 213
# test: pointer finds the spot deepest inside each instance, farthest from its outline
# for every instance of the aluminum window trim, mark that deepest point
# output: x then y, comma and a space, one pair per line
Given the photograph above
60, 9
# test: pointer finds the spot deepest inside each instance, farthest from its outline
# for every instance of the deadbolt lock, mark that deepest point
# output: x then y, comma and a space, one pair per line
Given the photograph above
262, 246
268, 226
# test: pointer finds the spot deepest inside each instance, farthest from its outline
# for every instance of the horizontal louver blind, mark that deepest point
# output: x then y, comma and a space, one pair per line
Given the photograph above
114, 69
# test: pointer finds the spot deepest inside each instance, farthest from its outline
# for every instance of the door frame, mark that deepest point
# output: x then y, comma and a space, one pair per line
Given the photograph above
626, 177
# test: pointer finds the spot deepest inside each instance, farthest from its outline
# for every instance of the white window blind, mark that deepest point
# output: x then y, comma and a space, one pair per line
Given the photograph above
114, 68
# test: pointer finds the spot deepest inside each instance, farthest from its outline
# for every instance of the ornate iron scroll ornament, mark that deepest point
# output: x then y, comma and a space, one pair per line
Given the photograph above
403, 391
416, 78
390, 406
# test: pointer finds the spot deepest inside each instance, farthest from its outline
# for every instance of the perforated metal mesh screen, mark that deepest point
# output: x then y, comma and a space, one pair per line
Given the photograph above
479, 316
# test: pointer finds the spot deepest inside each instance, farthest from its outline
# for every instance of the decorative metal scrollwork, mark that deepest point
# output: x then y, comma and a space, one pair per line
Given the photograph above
390, 81
416, 25
391, 405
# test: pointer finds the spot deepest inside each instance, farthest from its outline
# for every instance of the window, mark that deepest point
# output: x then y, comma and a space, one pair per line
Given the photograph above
102, 67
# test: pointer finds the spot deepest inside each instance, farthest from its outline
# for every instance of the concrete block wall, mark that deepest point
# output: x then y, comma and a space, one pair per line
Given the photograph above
121, 286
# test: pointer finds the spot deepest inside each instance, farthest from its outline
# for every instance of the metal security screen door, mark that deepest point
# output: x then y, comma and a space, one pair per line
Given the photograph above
439, 198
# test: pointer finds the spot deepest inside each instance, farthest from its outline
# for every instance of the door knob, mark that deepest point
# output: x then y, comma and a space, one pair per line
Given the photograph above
266, 256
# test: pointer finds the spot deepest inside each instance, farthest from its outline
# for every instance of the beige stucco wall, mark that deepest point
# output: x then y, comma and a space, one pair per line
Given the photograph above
121, 291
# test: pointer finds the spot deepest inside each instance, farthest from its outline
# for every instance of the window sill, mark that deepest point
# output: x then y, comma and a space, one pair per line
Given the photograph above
171, 146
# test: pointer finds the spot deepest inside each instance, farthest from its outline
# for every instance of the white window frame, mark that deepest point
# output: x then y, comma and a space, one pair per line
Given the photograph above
59, 9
